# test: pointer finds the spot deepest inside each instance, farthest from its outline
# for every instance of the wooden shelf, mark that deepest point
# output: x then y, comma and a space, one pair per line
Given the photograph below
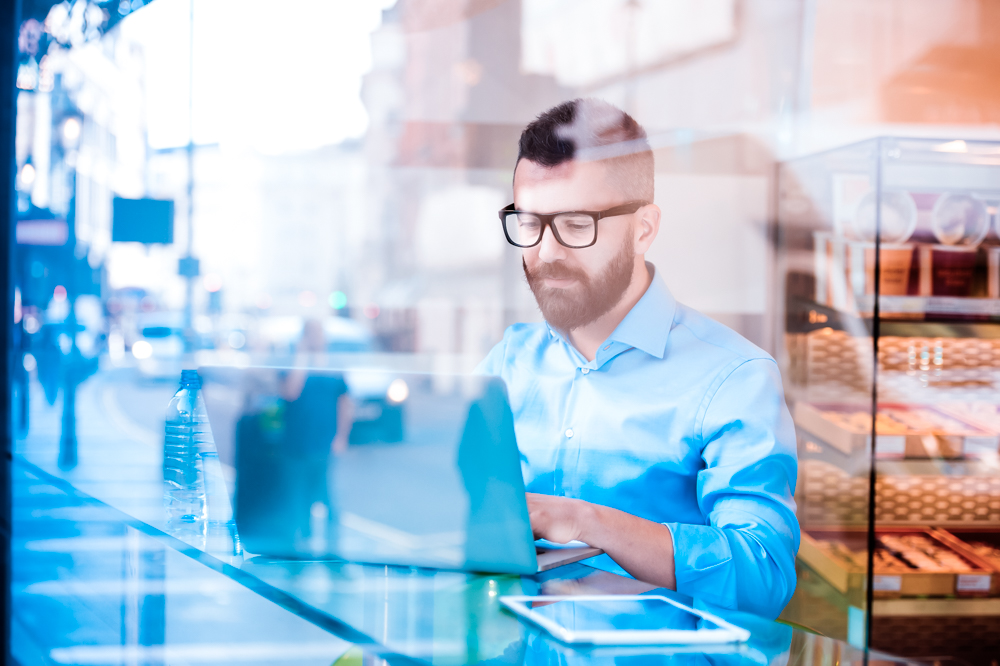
936, 607
903, 316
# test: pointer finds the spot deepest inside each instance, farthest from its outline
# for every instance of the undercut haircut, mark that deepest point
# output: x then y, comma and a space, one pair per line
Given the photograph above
589, 129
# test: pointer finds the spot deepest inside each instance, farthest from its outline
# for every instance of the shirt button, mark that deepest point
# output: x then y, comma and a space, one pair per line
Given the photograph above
585, 371
569, 433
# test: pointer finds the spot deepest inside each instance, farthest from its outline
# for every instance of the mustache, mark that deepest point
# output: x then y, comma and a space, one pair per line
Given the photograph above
555, 271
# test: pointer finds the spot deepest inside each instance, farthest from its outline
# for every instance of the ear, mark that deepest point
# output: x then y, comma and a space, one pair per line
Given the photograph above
646, 227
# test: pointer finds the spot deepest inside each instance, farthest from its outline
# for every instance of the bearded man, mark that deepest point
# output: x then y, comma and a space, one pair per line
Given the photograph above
645, 428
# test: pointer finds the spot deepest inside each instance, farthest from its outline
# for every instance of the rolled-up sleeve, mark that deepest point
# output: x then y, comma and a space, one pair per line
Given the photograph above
744, 556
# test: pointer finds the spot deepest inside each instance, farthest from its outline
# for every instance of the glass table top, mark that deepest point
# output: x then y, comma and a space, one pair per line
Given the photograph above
97, 579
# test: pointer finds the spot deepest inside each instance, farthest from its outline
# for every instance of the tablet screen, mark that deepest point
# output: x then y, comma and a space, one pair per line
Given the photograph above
586, 615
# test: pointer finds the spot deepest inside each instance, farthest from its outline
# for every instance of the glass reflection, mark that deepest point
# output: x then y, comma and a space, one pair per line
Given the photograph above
442, 488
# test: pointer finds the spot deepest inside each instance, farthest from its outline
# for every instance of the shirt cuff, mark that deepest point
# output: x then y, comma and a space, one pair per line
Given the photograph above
703, 564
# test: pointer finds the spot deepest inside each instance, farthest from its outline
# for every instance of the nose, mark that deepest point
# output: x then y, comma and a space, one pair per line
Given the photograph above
549, 249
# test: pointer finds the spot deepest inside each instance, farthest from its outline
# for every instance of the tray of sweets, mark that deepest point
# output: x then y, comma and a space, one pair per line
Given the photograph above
909, 562
903, 431
982, 415
981, 543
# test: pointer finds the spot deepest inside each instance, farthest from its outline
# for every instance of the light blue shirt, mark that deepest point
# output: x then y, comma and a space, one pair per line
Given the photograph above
678, 420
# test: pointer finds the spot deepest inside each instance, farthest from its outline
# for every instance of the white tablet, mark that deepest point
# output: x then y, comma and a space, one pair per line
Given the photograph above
632, 619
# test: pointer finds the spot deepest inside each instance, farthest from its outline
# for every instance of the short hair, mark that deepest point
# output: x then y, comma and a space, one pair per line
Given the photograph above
590, 129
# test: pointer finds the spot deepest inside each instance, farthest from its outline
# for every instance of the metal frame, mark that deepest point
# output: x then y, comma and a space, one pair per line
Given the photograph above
9, 20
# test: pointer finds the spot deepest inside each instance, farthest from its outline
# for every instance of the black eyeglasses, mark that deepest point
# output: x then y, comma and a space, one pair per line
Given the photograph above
574, 229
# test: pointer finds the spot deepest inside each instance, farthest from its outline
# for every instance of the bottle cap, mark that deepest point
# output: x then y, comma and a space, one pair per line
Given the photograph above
190, 378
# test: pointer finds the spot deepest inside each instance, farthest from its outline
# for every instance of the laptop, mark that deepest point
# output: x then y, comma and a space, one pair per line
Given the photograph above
436, 481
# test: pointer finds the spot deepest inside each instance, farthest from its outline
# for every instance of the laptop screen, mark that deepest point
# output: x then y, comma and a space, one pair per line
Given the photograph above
372, 466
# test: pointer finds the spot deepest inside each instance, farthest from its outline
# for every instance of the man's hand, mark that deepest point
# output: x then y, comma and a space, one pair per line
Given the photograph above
340, 443
643, 548
557, 519
345, 421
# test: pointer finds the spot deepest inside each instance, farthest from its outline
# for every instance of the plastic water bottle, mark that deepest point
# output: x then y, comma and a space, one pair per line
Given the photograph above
186, 436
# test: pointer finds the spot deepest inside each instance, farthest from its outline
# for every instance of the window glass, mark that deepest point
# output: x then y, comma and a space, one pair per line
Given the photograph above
316, 201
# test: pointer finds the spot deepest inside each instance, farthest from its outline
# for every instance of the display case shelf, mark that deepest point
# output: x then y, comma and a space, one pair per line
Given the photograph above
812, 447
929, 607
903, 316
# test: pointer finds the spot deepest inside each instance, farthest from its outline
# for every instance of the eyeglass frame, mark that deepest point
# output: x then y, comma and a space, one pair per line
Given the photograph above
547, 220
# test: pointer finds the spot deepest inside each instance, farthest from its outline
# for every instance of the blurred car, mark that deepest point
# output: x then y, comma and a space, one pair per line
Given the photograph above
345, 335
378, 405
159, 345
281, 335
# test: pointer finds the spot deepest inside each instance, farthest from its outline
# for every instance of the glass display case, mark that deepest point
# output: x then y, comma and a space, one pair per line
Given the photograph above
888, 307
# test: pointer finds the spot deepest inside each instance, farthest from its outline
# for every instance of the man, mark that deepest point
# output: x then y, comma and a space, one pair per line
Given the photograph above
645, 428
307, 394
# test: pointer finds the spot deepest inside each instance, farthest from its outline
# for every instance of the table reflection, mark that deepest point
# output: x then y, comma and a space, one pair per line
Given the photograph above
456, 618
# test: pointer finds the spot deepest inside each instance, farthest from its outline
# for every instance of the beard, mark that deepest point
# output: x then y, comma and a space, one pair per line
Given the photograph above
588, 300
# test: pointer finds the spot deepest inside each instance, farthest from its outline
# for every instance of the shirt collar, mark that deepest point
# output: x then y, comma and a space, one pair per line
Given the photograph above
645, 327
648, 323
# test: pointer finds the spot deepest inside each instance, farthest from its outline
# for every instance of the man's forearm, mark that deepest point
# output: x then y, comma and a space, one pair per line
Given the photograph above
641, 547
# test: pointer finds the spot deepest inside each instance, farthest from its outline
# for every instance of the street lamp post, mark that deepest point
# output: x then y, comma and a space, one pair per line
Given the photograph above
188, 265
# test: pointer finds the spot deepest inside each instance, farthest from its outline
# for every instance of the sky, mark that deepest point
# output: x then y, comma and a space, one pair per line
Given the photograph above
266, 77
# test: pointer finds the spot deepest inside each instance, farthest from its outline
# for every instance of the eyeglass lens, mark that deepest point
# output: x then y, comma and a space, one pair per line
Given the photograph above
574, 230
